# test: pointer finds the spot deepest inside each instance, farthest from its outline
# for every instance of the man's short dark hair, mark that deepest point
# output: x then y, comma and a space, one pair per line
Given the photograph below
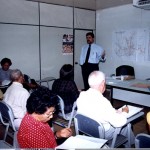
6, 60
91, 34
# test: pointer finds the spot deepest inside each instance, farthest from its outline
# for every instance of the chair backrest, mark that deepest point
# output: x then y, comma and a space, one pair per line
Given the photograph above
7, 115
73, 113
68, 98
61, 107
92, 128
5, 124
142, 140
88, 126
67, 116
125, 70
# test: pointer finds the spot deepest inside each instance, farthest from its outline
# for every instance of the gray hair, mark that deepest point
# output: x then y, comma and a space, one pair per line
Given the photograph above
96, 78
15, 74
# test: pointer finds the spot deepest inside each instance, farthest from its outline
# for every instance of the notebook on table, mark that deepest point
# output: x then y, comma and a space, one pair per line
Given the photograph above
132, 110
82, 142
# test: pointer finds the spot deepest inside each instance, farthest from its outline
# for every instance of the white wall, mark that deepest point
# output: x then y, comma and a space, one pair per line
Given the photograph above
34, 42
18, 41
118, 18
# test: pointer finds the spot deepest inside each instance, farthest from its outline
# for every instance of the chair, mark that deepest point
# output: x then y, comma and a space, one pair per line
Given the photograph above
142, 140
92, 128
73, 113
15, 141
47, 80
3, 143
61, 108
7, 118
69, 116
125, 70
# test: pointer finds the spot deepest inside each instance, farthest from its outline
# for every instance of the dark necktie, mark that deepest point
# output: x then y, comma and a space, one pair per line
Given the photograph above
88, 54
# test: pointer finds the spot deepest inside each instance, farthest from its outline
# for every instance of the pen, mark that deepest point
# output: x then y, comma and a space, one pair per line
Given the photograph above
61, 124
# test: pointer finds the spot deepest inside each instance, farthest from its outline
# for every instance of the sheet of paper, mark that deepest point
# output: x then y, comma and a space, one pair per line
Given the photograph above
132, 110
79, 142
92, 139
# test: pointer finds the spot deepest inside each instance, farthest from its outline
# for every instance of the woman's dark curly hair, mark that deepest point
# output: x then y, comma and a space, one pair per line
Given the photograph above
6, 60
40, 100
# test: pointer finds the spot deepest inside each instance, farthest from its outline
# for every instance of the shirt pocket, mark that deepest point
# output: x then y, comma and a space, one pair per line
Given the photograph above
93, 55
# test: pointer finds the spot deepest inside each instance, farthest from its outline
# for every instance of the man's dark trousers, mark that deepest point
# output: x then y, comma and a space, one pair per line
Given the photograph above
86, 70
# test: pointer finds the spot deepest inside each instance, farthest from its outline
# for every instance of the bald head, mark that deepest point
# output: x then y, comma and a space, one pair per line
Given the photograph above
96, 80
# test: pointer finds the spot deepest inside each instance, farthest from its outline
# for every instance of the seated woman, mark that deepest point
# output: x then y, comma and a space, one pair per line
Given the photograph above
5, 73
34, 131
66, 88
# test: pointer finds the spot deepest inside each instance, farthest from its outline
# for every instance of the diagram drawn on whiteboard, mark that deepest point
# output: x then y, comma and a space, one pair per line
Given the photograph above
132, 45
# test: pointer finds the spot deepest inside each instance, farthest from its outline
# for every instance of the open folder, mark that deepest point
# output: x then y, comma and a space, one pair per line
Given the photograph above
132, 110
82, 142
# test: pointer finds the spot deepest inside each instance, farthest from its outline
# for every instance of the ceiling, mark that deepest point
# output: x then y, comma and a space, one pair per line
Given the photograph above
88, 4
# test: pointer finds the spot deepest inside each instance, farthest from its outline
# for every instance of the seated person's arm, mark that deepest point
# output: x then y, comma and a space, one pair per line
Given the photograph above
115, 118
64, 133
103, 57
32, 85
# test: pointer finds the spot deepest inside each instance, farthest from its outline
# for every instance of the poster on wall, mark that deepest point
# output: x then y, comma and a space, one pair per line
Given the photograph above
67, 44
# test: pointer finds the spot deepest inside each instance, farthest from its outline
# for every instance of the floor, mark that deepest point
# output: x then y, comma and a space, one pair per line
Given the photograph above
139, 126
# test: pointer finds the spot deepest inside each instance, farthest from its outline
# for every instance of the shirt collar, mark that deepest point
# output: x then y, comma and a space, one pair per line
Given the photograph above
17, 83
91, 90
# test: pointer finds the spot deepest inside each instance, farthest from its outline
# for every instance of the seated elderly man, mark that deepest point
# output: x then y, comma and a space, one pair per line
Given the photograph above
93, 104
16, 96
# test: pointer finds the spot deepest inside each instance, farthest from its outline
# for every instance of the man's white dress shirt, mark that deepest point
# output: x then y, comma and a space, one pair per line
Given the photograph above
16, 97
95, 54
94, 105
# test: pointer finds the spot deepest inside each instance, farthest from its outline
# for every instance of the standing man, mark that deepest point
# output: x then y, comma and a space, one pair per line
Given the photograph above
91, 55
